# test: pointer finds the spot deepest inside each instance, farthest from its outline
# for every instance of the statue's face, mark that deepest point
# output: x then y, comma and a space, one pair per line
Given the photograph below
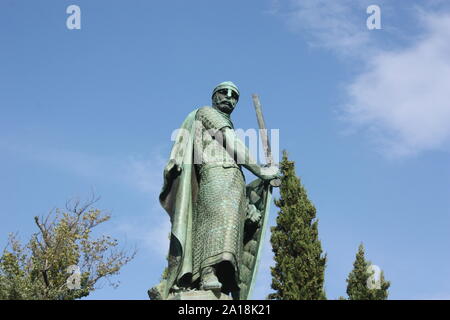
225, 100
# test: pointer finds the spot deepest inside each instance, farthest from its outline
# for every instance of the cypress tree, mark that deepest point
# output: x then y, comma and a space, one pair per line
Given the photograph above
299, 262
358, 287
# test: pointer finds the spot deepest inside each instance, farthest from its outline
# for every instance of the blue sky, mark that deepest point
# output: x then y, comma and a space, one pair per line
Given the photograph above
365, 115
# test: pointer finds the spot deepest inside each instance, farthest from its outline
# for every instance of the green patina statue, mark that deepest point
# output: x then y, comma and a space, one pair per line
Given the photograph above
217, 220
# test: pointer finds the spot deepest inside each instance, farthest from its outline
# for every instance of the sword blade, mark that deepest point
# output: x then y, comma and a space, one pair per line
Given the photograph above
262, 129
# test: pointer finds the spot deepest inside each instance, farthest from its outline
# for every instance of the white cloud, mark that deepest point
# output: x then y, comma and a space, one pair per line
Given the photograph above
403, 98
336, 25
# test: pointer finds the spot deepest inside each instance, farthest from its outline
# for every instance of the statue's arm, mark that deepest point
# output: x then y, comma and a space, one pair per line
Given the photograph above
235, 147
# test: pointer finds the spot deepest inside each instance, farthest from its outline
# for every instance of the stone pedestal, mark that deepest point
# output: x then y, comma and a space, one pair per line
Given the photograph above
198, 295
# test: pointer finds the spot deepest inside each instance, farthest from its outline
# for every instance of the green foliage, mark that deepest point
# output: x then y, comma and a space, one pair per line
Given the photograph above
357, 285
39, 269
300, 264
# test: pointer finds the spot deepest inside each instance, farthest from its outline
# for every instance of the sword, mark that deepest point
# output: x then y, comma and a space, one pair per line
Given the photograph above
263, 132
267, 188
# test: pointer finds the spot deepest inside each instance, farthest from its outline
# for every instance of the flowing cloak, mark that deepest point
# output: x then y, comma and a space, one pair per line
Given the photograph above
178, 196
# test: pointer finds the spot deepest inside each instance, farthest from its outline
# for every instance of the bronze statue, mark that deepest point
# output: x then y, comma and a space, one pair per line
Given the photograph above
217, 220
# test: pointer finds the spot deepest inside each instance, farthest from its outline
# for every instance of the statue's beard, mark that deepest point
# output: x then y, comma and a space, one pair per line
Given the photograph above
224, 106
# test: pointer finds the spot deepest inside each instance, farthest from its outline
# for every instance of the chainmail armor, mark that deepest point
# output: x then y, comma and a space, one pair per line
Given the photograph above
220, 209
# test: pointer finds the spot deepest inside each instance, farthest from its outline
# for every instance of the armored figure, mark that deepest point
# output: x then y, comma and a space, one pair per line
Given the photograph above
216, 218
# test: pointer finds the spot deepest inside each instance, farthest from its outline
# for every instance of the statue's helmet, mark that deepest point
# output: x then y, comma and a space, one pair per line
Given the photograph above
226, 85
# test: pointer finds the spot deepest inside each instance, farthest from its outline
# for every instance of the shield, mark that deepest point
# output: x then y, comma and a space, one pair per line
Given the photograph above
259, 194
